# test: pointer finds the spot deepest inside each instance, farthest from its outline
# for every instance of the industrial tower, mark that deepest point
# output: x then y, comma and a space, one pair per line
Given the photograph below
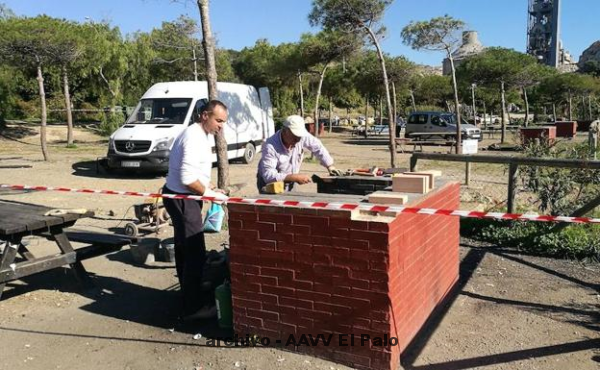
543, 31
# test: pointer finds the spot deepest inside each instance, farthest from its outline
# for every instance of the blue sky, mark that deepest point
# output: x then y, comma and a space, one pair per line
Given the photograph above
239, 23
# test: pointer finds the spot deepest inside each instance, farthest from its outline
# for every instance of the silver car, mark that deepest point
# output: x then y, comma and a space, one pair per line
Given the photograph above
439, 122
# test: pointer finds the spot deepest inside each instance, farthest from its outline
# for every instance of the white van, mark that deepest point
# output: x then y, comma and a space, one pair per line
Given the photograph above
167, 108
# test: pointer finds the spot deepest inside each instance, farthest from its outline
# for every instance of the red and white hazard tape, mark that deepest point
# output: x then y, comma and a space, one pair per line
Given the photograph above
325, 205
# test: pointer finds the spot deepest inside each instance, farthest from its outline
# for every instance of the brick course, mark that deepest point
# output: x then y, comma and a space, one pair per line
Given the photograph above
298, 272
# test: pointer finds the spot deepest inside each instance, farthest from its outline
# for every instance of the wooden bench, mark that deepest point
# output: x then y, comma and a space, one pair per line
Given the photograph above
402, 142
433, 142
99, 243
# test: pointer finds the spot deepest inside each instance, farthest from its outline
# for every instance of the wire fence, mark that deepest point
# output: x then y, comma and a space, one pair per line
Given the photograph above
516, 183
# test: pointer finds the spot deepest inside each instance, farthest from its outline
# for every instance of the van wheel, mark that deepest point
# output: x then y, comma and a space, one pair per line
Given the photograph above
249, 153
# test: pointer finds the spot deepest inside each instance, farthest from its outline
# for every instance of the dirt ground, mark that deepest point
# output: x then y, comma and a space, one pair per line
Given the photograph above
512, 311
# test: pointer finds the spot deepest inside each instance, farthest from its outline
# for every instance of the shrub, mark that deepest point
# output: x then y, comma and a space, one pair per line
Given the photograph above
110, 123
580, 241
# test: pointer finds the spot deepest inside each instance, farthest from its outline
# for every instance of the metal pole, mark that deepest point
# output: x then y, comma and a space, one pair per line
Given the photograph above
195, 64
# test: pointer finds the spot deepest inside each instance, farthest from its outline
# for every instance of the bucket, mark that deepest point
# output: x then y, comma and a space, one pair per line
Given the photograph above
223, 303
165, 251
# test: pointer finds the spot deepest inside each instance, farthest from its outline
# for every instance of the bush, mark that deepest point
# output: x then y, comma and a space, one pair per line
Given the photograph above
110, 123
87, 115
580, 241
28, 109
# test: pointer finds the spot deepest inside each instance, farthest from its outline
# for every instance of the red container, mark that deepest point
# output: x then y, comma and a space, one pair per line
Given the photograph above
544, 133
566, 129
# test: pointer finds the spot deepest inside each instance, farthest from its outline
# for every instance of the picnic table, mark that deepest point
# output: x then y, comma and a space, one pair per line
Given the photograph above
419, 139
18, 220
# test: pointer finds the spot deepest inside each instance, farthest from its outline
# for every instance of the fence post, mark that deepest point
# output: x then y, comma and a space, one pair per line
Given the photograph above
413, 163
512, 179
467, 173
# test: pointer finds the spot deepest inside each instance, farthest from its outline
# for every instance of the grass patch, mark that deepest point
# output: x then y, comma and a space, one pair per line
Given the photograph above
577, 241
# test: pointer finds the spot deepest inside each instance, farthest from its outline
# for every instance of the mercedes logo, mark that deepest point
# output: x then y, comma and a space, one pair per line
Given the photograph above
129, 146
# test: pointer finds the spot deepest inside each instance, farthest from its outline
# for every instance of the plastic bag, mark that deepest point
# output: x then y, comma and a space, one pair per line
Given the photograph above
214, 218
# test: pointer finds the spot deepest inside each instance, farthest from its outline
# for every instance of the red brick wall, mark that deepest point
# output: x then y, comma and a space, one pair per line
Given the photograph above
307, 271
424, 263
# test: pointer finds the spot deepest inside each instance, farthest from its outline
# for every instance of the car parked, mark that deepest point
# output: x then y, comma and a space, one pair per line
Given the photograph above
440, 122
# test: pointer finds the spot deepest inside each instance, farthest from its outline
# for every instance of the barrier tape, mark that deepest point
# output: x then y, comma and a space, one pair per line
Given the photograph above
325, 205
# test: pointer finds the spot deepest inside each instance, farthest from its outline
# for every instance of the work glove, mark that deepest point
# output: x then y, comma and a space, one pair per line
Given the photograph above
336, 172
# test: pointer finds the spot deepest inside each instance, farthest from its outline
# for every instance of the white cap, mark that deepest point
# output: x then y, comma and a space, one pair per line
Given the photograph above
296, 124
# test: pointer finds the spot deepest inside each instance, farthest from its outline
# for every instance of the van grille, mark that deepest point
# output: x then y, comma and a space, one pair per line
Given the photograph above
134, 146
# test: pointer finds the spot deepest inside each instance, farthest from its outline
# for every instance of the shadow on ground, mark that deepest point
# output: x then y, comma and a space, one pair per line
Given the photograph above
93, 169
585, 315
17, 132
123, 300
368, 141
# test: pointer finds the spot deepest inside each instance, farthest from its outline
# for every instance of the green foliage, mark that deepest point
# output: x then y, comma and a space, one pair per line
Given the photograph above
575, 241
591, 67
559, 88
347, 15
110, 123
441, 33
433, 90
560, 190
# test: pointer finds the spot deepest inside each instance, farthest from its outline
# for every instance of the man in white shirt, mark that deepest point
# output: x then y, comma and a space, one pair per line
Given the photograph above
190, 164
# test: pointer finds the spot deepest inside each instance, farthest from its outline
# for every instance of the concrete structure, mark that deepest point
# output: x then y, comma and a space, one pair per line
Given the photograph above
321, 272
470, 46
545, 134
543, 31
566, 129
543, 35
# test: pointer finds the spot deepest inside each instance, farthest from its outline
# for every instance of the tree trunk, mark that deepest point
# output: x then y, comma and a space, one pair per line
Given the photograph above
211, 73
322, 77
68, 106
381, 111
554, 112
330, 113
590, 107
412, 100
40, 79
484, 113
526, 99
386, 86
456, 103
395, 102
570, 107
301, 94
366, 115
503, 108
473, 102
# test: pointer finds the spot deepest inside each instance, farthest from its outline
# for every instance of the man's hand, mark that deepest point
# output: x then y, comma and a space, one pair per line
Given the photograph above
334, 171
298, 178
303, 179
217, 194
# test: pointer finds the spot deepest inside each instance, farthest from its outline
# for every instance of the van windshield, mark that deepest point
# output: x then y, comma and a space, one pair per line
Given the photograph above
158, 111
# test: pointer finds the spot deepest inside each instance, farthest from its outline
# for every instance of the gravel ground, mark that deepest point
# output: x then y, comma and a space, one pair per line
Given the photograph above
511, 312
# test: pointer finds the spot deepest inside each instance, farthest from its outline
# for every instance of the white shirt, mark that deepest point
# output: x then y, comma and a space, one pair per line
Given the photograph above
190, 159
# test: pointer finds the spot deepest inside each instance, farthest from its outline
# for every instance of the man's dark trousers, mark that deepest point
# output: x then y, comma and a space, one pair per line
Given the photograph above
190, 250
